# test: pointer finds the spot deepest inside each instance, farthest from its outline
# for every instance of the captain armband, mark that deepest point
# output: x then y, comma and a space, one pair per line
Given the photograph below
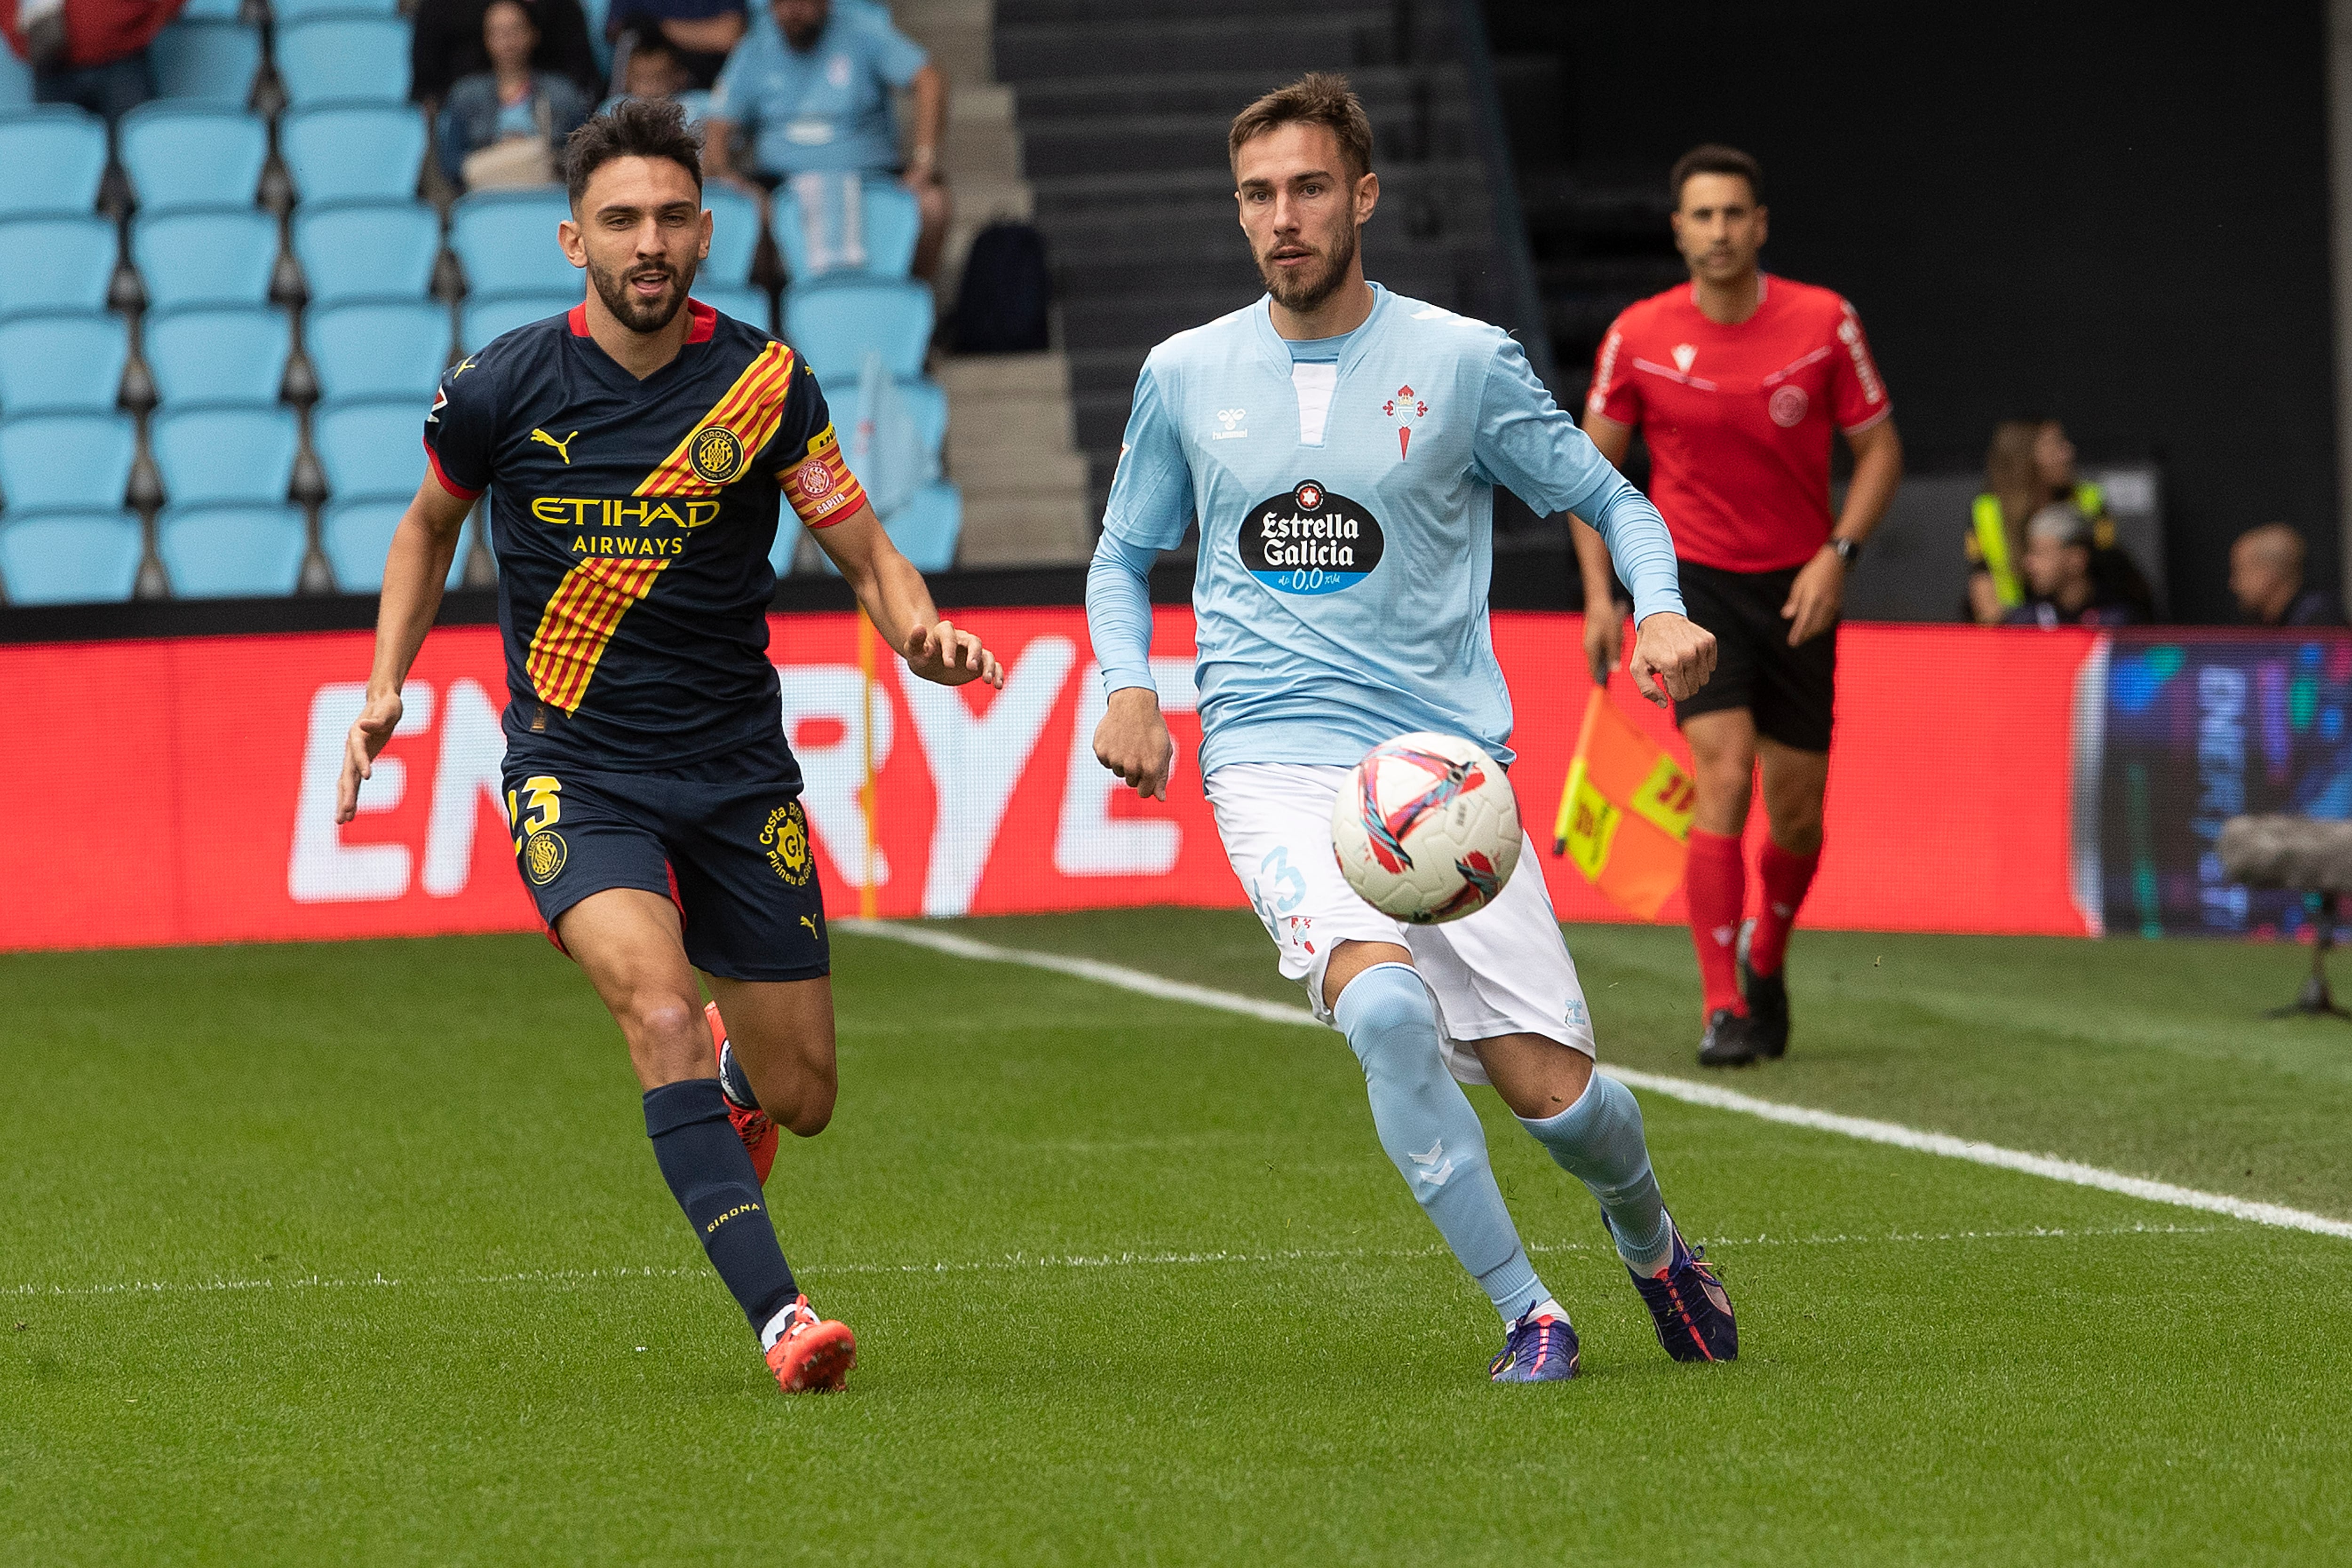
820, 486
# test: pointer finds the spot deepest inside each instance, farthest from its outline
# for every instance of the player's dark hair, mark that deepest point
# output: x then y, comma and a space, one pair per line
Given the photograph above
1714, 157
1318, 97
632, 128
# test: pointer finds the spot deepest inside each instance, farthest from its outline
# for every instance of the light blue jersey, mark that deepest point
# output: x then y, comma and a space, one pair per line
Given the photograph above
1346, 525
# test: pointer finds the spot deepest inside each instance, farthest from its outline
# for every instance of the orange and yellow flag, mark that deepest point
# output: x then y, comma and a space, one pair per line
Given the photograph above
1625, 813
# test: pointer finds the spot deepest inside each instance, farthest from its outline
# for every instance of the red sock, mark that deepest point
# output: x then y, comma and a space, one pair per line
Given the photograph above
1715, 884
1786, 878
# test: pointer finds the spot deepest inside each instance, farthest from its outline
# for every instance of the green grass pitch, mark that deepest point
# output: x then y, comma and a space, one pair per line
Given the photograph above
356, 1254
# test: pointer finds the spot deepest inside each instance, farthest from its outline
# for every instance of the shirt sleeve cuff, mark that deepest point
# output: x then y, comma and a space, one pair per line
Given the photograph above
442, 475
1665, 599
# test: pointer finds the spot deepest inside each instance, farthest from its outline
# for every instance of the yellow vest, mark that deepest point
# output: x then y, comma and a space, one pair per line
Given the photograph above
1989, 539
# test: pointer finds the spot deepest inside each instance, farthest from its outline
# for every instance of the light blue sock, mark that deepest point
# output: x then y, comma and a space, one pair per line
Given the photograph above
1599, 1141
1432, 1133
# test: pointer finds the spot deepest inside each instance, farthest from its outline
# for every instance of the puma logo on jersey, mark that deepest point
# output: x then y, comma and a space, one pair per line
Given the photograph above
463, 366
1684, 355
562, 447
812, 926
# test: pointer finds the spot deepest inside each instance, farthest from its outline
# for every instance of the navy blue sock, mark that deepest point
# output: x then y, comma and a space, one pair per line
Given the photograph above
711, 1176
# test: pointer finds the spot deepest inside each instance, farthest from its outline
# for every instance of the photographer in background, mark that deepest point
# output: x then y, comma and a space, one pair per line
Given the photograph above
2057, 571
2266, 580
2029, 465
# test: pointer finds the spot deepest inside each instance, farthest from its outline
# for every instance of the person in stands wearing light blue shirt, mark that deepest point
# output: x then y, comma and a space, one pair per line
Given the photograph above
814, 95
1341, 446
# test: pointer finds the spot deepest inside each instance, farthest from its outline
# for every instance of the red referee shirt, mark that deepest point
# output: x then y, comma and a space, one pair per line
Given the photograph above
1737, 418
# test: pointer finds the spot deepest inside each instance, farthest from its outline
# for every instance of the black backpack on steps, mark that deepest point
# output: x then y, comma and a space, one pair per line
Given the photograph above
1001, 307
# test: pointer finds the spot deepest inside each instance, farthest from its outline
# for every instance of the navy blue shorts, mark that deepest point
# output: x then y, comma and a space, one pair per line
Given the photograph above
726, 839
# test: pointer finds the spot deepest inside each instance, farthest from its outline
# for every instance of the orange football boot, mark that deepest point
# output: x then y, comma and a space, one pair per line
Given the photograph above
815, 1354
755, 1128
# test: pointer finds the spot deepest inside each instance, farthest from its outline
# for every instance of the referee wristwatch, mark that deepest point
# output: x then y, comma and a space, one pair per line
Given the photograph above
1848, 551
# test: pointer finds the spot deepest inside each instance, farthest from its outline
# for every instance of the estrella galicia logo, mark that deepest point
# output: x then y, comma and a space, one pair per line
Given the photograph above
1309, 541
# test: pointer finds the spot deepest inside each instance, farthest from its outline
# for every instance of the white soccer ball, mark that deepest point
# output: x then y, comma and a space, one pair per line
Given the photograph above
1426, 828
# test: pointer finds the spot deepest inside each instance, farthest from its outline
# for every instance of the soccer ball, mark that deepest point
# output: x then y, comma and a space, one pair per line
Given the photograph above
1426, 828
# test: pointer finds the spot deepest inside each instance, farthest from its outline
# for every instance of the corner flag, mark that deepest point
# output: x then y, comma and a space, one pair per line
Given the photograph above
1625, 813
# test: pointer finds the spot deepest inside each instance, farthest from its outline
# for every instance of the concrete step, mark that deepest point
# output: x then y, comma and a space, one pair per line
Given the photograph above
982, 465
1018, 528
1451, 180
1225, 91
1338, 38
1110, 144
1025, 424
1006, 375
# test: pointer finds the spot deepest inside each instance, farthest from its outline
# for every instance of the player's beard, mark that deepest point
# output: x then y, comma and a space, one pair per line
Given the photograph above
1305, 291
641, 315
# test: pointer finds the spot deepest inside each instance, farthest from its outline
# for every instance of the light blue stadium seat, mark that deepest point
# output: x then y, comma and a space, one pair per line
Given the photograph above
741, 301
378, 348
212, 10
283, 11
506, 241
191, 154
55, 156
213, 256
218, 353
834, 323
73, 460
357, 534
338, 57
356, 250
353, 152
372, 447
928, 401
734, 235
62, 363
891, 220
925, 530
56, 264
215, 61
484, 318
15, 83
70, 557
223, 457
231, 551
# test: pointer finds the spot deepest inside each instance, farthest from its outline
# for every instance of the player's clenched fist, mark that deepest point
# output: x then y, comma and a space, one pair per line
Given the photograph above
942, 654
1132, 741
1671, 651
370, 732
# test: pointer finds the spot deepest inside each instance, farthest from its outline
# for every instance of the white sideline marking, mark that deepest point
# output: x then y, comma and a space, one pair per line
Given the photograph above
1863, 1127
1016, 1261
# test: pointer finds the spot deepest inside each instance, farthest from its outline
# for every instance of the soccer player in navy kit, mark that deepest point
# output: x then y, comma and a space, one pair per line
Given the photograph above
636, 449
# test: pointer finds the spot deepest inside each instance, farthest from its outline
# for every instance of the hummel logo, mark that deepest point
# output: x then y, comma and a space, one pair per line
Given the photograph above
1784, 910
1684, 354
1438, 1176
561, 447
1723, 935
1230, 418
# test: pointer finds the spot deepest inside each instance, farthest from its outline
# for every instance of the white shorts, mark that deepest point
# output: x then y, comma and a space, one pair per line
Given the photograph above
1504, 970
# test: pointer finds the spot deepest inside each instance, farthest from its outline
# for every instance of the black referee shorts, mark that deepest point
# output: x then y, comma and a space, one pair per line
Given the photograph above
1787, 691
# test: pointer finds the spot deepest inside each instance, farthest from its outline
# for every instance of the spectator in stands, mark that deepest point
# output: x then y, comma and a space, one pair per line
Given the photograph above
505, 126
703, 32
2266, 580
2030, 465
2056, 564
446, 44
92, 53
652, 69
814, 98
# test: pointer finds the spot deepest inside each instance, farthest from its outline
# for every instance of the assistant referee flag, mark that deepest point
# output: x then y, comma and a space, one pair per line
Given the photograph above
1625, 813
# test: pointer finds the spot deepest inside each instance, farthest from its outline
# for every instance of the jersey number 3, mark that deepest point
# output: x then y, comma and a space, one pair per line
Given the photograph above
534, 807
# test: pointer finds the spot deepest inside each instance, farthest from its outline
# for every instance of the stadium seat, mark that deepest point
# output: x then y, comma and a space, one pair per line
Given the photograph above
810, 236
228, 456
69, 557
55, 155
356, 250
343, 56
356, 534
734, 236
214, 61
372, 447
740, 300
284, 12
56, 264
62, 363
484, 319
506, 241
835, 322
215, 255
353, 152
212, 10
231, 551
218, 353
925, 530
928, 401
15, 83
191, 154
378, 348
75, 460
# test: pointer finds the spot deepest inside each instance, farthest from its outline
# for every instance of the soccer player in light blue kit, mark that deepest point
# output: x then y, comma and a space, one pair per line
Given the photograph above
1340, 445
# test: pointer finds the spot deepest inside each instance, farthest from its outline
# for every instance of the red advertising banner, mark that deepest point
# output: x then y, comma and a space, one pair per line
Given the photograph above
183, 791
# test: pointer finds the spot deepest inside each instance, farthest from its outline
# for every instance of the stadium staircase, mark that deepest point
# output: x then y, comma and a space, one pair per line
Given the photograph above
1122, 113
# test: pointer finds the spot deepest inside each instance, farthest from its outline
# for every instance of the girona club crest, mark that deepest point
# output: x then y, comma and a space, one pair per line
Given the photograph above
1406, 408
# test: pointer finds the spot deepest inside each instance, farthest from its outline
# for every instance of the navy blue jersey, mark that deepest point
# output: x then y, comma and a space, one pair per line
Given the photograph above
632, 521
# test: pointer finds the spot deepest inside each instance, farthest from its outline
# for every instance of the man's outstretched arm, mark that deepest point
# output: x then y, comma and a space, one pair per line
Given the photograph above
900, 607
1132, 739
422, 546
